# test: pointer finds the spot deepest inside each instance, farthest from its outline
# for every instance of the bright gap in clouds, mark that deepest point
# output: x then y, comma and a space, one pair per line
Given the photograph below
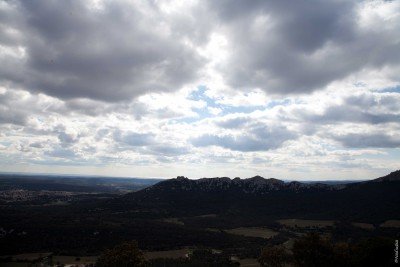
201, 88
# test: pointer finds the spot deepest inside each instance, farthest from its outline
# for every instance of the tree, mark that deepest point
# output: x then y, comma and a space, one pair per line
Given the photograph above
342, 254
206, 257
377, 251
273, 256
312, 251
126, 254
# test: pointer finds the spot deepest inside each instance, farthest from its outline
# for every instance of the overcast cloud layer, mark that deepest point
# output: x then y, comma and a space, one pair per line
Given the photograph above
291, 89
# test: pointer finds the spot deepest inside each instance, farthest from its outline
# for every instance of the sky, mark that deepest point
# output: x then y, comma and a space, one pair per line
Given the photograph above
286, 89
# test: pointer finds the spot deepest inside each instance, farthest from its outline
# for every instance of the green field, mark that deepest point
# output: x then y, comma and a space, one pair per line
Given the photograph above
249, 263
15, 264
173, 220
173, 254
207, 216
306, 223
253, 232
22, 260
366, 226
391, 223
73, 260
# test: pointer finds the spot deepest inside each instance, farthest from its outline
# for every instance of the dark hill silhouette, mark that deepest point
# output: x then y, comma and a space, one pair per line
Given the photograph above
179, 212
272, 198
393, 176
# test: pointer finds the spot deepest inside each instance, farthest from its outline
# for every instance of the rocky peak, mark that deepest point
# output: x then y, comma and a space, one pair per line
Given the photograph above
253, 185
295, 185
181, 178
256, 178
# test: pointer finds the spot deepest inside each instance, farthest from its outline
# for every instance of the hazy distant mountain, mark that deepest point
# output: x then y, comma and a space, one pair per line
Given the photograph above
39, 182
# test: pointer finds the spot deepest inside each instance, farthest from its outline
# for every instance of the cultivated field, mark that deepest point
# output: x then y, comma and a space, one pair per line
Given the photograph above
173, 254
391, 223
27, 259
215, 230
366, 226
15, 264
74, 260
173, 220
28, 256
306, 223
253, 232
207, 216
249, 263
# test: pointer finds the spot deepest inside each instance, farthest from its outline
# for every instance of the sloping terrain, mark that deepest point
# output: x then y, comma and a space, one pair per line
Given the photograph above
371, 201
181, 212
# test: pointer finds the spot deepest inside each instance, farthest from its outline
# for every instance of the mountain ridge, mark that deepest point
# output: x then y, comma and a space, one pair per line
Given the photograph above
253, 185
393, 176
259, 184
374, 200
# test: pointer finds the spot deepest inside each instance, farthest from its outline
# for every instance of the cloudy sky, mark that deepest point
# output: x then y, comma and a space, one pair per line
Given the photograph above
286, 89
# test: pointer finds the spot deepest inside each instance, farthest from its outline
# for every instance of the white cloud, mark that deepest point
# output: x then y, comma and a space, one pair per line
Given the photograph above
200, 89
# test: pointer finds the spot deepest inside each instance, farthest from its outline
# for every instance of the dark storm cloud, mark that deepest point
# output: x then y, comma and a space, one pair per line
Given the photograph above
68, 49
259, 138
368, 140
287, 47
111, 54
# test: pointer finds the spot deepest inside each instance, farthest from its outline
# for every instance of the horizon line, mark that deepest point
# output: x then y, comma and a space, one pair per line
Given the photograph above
73, 175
